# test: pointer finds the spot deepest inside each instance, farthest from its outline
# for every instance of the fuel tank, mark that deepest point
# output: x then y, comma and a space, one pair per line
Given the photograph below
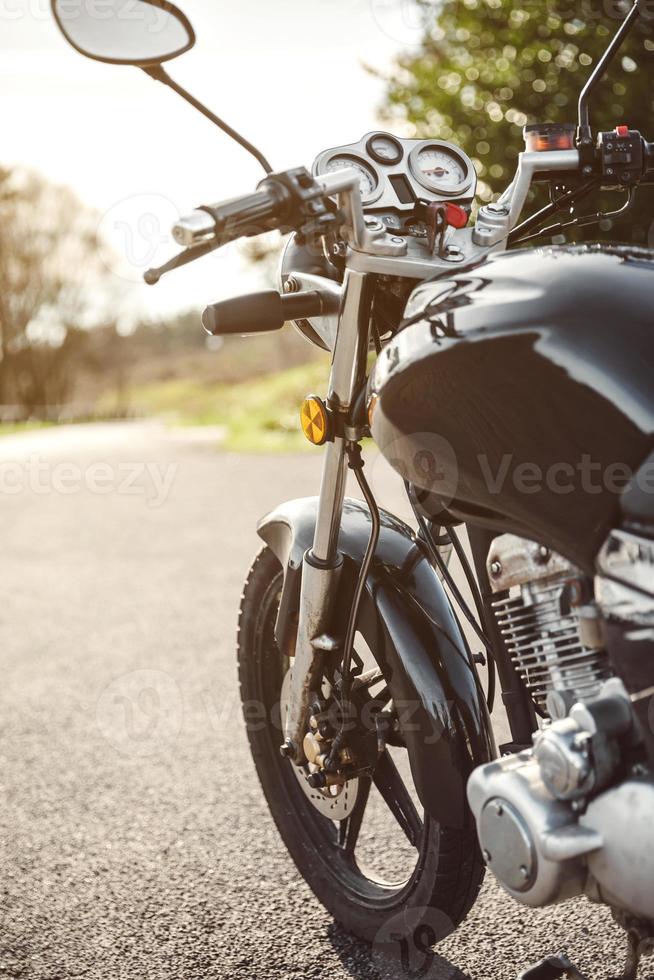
519, 394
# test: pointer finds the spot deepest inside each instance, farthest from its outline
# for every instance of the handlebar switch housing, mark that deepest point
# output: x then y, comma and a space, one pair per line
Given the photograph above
621, 157
307, 211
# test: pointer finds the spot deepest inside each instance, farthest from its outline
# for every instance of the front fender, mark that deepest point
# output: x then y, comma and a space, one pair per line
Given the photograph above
415, 637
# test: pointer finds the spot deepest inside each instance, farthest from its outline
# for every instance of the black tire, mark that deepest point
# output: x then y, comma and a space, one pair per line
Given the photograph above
448, 871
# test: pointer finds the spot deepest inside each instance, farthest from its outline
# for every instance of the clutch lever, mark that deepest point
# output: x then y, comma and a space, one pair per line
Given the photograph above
152, 276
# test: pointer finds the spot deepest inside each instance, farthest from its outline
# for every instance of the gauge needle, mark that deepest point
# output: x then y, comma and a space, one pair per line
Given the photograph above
437, 171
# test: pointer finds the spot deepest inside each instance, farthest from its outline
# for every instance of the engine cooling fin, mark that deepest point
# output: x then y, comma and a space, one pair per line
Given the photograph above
545, 645
550, 631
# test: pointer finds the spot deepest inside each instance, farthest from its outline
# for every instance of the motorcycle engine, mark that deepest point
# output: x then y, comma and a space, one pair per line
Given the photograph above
551, 819
549, 623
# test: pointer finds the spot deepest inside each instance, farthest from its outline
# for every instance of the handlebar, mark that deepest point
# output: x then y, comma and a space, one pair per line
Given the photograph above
238, 217
292, 200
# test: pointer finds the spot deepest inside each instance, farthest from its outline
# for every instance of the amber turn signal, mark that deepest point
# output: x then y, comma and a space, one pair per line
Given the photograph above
314, 419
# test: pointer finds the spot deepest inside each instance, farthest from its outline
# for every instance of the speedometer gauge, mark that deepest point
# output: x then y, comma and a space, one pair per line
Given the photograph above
368, 180
441, 168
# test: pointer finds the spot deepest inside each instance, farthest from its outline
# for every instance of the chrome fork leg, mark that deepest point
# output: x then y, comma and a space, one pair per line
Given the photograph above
322, 565
330, 502
321, 568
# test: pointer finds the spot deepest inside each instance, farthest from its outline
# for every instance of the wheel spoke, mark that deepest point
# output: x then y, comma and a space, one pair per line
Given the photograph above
348, 830
391, 786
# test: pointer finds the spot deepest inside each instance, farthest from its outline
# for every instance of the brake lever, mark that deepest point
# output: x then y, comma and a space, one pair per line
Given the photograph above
152, 276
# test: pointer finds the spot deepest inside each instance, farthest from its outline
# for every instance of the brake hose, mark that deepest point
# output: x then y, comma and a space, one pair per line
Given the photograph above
454, 589
356, 464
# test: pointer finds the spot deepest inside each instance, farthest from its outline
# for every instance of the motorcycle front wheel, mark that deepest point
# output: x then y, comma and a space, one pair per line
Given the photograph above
370, 853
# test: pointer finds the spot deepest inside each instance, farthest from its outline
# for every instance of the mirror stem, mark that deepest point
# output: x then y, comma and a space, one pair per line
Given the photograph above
160, 75
602, 65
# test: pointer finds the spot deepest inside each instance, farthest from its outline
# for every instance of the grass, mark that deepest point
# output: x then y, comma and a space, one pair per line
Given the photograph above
260, 415
8, 428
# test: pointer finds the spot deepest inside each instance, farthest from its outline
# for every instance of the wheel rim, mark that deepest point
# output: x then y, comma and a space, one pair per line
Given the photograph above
345, 847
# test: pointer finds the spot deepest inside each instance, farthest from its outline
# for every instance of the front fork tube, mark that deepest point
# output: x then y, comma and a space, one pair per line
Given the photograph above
321, 566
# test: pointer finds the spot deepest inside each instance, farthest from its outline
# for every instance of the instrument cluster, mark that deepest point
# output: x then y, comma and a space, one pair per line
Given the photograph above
396, 173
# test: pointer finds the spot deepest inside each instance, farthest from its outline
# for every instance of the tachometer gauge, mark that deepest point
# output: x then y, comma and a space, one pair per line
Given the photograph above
385, 149
441, 168
368, 180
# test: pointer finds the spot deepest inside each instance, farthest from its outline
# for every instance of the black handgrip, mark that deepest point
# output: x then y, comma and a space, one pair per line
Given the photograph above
239, 217
259, 312
291, 200
247, 215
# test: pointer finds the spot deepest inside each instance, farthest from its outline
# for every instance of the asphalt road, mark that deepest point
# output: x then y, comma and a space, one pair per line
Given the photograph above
134, 839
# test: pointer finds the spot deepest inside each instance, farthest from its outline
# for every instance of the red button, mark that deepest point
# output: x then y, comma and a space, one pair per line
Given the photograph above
456, 216
622, 130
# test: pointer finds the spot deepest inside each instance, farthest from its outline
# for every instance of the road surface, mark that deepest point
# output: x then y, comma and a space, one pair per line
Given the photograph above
134, 839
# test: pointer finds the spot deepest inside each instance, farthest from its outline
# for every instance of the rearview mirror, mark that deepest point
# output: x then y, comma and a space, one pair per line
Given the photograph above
124, 32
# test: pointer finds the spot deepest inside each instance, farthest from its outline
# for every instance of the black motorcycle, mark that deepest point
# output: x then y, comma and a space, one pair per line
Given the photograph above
511, 388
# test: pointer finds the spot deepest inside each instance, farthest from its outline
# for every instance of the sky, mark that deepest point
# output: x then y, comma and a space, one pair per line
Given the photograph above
288, 73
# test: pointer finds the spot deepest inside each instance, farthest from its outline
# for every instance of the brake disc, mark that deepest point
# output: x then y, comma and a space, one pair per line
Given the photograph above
333, 802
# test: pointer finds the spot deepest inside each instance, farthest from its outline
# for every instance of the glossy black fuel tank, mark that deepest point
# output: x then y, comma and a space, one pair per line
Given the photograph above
525, 397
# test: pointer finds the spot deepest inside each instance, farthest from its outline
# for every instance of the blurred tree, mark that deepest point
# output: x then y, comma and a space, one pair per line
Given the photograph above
50, 256
485, 68
263, 253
